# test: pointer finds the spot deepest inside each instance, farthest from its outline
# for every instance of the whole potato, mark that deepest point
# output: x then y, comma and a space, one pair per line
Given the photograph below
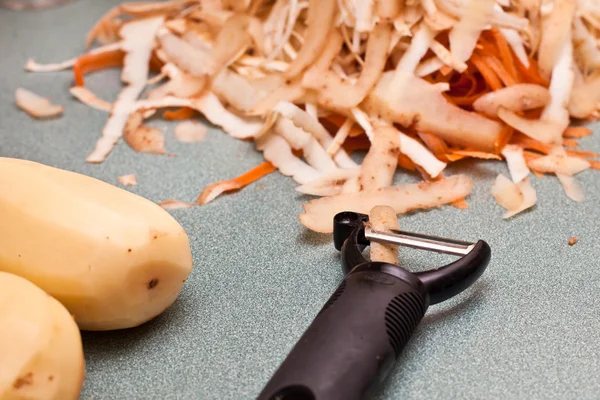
114, 259
41, 356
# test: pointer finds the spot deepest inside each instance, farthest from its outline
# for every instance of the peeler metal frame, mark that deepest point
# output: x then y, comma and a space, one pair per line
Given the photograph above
354, 340
351, 235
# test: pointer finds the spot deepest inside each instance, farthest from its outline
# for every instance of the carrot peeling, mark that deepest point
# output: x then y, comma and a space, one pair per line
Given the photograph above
508, 61
353, 144
583, 153
179, 114
216, 189
445, 70
436, 145
473, 154
532, 144
577, 132
406, 163
531, 74
500, 71
571, 143
156, 63
460, 204
504, 138
96, 62
488, 73
539, 175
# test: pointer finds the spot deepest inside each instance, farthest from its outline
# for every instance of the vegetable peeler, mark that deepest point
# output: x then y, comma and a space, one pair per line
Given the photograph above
361, 330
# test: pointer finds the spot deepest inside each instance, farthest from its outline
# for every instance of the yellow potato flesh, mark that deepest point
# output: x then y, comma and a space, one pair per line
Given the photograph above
40, 344
114, 259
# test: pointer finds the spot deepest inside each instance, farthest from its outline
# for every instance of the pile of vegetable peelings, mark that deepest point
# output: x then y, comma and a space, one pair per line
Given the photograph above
418, 84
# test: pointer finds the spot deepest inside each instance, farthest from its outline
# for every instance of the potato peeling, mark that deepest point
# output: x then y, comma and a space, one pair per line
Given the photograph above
319, 213
128, 180
88, 98
382, 219
190, 132
138, 40
142, 138
35, 105
311, 82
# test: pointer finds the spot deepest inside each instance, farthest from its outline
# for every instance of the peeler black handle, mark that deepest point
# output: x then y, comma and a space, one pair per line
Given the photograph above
353, 342
355, 339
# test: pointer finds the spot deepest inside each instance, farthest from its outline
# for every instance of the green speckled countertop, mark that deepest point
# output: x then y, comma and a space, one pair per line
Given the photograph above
529, 329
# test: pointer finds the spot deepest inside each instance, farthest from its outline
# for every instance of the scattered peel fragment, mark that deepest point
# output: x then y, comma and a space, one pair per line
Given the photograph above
35, 105
461, 204
515, 98
379, 165
421, 104
572, 189
573, 240
236, 126
180, 114
138, 42
585, 96
516, 162
211, 107
577, 132
455, 155
556, 31
475, 16
559, 162
586, 48
330, 184
127, 180
320, 18
318, 214
241, 93
561, 86
140, 9
514, 197
33, 66
190, 132
175, 204
383, 219
141, 138
336, 92
276, 150
437, 146
96, 62
544, 131
312, 151
216, 189
444, 55
340, 137
421, 156
180, 84
305, 121
88, 98
506, 193
516, 44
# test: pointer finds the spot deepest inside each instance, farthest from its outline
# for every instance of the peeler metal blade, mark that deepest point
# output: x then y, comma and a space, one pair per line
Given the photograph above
420, 241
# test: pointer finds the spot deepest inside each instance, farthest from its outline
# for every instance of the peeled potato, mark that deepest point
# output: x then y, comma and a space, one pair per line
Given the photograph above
114, 259
40, 346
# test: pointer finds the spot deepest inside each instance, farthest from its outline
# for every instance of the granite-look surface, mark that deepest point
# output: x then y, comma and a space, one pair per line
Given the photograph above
529, 329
